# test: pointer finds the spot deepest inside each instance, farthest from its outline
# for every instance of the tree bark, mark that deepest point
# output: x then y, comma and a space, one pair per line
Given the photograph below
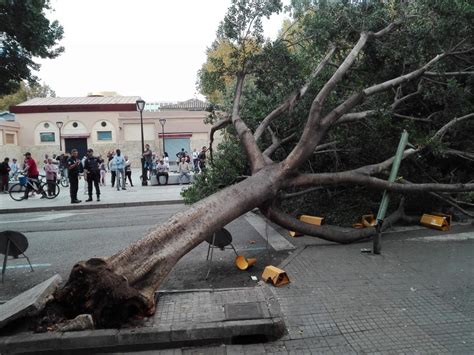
115, 288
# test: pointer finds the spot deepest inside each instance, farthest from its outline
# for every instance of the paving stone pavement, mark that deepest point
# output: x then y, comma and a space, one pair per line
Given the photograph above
416, 297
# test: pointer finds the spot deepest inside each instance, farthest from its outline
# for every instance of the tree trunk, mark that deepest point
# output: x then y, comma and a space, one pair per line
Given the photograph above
118, 287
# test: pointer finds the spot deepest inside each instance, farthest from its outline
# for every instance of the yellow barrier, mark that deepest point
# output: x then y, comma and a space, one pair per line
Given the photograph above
368, 220
243, 263
437, 221
276, 276
307, 219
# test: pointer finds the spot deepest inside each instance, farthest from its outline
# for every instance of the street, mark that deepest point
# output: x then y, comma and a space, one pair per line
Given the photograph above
59, 239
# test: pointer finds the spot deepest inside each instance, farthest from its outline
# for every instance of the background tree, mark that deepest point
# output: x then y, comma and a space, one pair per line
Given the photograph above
25, 33
339, 93
24, 93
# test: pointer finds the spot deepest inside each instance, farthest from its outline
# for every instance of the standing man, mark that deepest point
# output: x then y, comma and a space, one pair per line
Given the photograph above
92, 173
119, 162
148, 155
183, 169
73, 165
4, 173
202, 159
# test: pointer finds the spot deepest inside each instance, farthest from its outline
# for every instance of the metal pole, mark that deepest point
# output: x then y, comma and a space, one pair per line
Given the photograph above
60, 143
377, 247
144, 177
163, 137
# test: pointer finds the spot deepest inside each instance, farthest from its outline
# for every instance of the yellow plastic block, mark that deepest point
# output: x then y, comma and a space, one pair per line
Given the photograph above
277, 277
311, 219
243, 263
307, 219
438, 221
368, 220
294, 234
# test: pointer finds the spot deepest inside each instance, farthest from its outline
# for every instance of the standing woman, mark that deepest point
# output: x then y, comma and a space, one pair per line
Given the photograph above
128, 170
51, 176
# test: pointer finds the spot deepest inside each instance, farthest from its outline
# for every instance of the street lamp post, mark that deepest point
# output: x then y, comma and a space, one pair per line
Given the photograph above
162, 123
140, 107
59, 124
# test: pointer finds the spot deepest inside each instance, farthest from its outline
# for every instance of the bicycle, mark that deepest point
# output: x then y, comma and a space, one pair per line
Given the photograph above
17, 191
63, 180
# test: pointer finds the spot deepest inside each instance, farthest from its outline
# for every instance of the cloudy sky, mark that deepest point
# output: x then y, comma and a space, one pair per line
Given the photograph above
150, 48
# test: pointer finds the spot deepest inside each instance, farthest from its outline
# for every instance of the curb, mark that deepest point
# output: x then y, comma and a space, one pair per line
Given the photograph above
88, 207
158, 337
228, 327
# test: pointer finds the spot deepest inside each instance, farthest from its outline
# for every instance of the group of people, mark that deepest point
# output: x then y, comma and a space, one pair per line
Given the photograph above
95, 169
10, 171
160, 166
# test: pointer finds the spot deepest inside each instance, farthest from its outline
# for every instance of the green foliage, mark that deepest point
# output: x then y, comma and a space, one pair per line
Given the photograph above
24, 93
427, 29
227, 166
25, 33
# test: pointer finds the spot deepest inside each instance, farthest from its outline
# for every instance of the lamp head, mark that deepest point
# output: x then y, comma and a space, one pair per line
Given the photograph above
162, 121
59, 124
140, 105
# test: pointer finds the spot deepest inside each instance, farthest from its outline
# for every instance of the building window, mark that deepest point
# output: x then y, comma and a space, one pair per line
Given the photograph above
46, 125
9, 138
104, 135
47, 137
103, 124
74, 124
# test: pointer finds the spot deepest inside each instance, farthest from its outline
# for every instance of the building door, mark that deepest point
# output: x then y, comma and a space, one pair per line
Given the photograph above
174, 145
76, 143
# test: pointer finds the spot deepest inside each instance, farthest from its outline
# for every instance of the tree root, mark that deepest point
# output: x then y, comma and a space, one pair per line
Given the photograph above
93, 288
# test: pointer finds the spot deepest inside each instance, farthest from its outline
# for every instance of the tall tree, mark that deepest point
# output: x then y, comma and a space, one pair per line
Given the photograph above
25, 33
24, 93
122, 285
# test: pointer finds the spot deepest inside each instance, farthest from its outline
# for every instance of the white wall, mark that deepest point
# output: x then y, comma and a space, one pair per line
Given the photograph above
132, 131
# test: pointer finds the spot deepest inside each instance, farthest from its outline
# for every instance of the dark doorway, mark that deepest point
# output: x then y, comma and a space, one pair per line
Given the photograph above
76, 143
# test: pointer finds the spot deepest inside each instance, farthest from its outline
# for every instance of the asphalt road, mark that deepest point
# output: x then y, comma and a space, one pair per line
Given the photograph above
59, 239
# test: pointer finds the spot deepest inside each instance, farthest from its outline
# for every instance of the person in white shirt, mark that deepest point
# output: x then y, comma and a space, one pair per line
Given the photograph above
119, 162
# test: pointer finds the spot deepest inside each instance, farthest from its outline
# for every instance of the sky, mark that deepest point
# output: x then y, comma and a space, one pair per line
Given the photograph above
147, 48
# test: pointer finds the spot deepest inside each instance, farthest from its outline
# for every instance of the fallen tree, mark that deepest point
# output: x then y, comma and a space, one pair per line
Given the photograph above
115, 288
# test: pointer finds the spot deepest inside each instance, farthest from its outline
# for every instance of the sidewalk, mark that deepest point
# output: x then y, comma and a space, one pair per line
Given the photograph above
417, 297
137, 195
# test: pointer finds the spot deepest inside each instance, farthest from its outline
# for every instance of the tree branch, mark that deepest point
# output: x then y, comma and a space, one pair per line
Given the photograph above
223, 122
452, 73
276, 142
254, 154
284, 196
419, 119
442, 131
355, 116
328, 232
448, 200
354, 178
289, 103
459, 153
308, 138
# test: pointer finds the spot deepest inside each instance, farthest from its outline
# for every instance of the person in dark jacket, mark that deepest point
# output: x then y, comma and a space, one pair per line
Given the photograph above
4, 174
92, 173
73, 165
